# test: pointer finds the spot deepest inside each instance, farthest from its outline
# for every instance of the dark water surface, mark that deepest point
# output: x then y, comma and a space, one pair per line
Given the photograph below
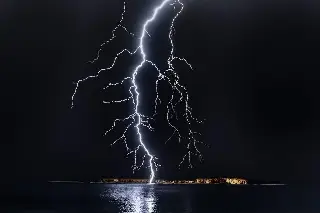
92, 198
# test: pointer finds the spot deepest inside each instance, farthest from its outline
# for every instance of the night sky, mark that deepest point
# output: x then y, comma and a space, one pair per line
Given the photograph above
256, 82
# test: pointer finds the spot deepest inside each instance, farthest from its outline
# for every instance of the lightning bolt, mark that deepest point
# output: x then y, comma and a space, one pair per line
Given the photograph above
138, 120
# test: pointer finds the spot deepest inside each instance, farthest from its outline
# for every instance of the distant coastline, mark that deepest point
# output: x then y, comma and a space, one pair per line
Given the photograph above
64, 181
227, 181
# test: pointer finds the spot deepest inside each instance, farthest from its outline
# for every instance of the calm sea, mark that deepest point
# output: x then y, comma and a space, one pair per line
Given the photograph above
92, 198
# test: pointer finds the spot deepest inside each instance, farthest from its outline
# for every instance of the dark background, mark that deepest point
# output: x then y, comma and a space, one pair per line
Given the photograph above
256, 82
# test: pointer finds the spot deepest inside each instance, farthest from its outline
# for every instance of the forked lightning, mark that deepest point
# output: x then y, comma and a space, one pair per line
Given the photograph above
138, 120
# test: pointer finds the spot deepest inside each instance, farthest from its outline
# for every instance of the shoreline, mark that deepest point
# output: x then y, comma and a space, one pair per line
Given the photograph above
114, 183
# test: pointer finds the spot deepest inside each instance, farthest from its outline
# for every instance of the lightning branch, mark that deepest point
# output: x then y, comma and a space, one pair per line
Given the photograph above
179, 95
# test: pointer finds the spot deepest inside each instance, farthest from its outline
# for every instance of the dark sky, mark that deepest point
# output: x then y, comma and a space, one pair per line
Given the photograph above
256, 82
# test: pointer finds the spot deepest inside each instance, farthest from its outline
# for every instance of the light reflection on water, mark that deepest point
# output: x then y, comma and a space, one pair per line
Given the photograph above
133, 198
144, 198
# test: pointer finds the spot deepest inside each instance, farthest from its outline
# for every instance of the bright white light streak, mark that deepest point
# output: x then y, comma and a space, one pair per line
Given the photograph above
137, 119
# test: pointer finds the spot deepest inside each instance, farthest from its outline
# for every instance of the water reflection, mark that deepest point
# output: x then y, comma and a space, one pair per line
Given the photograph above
131, 198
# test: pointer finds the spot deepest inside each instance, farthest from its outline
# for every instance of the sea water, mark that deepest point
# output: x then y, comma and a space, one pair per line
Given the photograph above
144, 198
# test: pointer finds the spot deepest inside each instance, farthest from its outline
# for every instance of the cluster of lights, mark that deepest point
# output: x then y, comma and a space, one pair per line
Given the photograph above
138, 120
